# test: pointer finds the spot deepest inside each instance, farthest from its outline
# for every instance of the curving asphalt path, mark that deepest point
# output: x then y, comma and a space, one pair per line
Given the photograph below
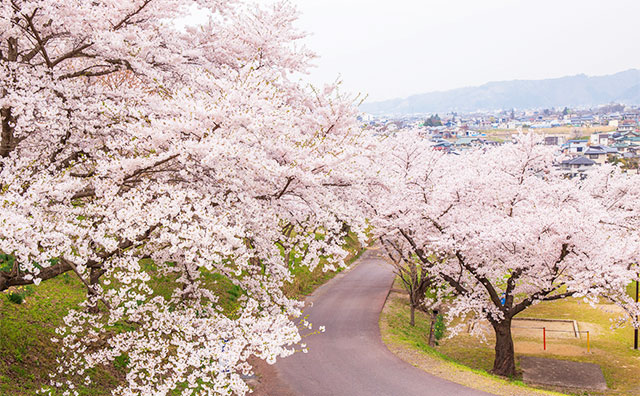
350, 358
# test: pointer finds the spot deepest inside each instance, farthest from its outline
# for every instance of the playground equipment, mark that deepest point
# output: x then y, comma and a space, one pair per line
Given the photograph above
544, 337
556, 326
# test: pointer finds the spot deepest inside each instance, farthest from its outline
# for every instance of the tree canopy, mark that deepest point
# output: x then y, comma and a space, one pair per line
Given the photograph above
503, 229
125, 137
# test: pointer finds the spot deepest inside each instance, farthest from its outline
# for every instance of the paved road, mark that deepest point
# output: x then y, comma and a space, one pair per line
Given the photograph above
349, 358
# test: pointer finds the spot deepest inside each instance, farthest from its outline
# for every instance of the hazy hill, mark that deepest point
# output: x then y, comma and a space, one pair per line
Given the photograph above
580, 90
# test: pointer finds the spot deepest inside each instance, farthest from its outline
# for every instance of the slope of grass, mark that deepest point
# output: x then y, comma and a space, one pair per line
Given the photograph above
306, 281
27, 354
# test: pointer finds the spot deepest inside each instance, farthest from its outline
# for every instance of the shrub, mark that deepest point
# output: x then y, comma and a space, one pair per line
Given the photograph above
6, 262
15, 297
18, 295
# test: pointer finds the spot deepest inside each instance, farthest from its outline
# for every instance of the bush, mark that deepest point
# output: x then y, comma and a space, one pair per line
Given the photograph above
16, 298
18, 295
121, 362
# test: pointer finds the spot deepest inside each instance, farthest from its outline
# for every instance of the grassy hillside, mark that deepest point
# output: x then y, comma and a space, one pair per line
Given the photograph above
30, 315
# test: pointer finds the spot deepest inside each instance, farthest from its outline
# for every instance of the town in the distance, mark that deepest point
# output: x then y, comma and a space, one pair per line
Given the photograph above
584, 137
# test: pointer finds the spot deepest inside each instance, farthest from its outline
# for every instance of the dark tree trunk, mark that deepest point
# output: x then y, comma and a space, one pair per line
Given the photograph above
412, 321
432, 327
504, 363
6, 139
8, 120
94, 278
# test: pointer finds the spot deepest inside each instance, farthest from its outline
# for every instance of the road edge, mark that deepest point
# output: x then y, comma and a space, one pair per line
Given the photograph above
269, 380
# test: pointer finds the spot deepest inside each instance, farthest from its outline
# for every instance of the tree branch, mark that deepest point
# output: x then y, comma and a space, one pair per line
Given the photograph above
36, 35
125, 20
89, 287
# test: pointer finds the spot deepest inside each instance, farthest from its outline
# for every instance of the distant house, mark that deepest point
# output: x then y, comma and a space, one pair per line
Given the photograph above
600, 154
624, 147
627, 126
576, 121
587, 118
442, 146
576, 166
627, 137
491, 143
553, 140
468, 142
575, 147
602, 139
626, 141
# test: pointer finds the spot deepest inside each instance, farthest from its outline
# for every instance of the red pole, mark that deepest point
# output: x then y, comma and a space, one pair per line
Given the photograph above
544, 338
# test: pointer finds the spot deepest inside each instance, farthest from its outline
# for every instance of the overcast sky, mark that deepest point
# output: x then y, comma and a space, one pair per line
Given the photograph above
396, 48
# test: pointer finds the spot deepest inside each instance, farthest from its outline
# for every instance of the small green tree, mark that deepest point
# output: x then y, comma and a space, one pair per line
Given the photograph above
414, 276
438, 328
624, 163
433, 121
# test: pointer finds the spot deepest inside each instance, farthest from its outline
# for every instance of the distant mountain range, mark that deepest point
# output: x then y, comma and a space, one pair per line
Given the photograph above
572, 91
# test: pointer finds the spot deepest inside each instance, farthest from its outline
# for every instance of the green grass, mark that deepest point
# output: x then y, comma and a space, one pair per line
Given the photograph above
306, 281
416, 336
611, 348
27, 354
396, 331
631, 290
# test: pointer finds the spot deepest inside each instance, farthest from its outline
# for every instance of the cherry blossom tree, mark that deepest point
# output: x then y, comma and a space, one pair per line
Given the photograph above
125, 137
503, 230
415, 277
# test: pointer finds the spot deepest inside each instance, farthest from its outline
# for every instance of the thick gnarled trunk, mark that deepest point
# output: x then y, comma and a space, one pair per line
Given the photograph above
504, 363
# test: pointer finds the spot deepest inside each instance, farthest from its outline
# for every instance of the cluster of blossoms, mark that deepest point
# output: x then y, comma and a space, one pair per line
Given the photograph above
500, 229
125, 137
134, 153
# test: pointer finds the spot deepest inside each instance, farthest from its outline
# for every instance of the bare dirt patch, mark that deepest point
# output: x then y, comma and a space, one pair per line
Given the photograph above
562, 373
532, 347
535, 328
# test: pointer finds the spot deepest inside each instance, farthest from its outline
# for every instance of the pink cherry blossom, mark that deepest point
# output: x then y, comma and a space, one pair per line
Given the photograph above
502, 229
125, 137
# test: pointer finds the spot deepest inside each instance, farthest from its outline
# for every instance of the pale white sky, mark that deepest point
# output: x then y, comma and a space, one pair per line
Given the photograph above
396, 48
